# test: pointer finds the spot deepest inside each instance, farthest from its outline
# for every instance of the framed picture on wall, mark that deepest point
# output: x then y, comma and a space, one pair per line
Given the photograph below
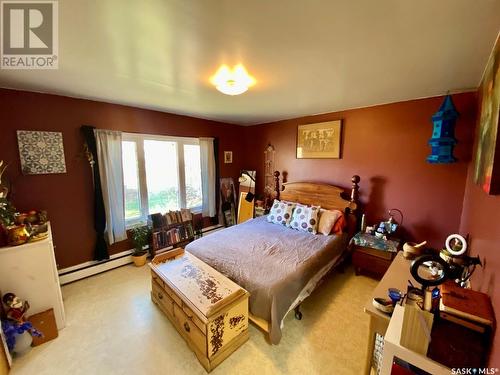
319, 141
228, 157
487, 158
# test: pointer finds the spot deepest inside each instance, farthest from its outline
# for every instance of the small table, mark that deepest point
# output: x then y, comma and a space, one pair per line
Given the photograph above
372, 255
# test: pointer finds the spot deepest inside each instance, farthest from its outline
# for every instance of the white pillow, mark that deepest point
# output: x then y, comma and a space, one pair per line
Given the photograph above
305, 218
281, 212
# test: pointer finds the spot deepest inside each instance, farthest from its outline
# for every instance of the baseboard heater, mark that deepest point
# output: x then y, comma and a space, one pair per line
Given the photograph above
83, 270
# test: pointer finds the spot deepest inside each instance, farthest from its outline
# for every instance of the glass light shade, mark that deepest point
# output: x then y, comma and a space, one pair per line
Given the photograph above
232, 82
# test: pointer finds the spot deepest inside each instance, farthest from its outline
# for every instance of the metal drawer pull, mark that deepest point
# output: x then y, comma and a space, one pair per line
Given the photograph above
187, 327
160, 296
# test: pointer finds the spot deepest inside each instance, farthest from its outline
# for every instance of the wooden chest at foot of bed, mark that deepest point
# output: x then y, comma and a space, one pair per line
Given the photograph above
208, 310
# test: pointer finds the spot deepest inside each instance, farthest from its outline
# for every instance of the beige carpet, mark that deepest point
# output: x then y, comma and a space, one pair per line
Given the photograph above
114, 328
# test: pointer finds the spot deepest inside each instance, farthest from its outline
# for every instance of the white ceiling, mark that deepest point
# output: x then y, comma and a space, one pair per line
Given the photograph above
307, 56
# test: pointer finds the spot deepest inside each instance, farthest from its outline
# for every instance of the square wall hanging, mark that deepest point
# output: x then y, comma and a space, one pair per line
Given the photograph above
41, 152
319, 141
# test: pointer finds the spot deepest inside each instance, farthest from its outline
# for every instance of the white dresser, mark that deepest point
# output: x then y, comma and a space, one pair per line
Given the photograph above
30, 272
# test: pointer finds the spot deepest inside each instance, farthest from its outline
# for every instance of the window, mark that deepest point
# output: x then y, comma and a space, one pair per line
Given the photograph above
160, 174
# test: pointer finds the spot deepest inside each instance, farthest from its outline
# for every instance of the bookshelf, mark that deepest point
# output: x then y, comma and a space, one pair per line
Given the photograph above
170, 230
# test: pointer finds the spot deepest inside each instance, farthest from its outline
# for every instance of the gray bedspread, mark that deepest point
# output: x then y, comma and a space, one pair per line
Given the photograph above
272, 262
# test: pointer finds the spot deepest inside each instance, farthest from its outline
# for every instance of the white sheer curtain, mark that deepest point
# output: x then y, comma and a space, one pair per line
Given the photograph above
207, 176
109, 154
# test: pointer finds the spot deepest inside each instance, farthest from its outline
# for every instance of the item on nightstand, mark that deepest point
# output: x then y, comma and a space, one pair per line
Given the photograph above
363, 223
412, 249
390, 226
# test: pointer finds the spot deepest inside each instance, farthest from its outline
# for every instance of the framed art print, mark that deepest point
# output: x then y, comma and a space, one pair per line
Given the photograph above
487, 158
228, 157
319, 141
41, 152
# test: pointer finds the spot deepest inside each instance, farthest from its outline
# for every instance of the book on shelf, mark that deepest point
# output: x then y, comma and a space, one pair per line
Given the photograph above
158, 220
186, 214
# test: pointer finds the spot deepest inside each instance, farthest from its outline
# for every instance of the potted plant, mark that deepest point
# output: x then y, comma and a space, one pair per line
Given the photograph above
6, 219
140, 238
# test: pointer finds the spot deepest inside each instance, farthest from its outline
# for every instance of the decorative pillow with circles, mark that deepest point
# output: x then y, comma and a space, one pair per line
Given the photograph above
281, 212
305, 218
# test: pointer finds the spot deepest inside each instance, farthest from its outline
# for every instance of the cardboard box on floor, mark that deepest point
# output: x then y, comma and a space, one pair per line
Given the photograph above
45, 322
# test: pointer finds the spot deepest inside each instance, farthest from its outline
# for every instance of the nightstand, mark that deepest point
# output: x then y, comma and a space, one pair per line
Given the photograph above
372, 255
259, 211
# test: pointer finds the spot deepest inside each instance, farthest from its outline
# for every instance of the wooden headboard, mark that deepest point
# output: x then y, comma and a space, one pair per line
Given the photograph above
311, 193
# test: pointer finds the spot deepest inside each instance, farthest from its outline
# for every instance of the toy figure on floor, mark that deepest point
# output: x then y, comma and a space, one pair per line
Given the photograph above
16, 307
18, 331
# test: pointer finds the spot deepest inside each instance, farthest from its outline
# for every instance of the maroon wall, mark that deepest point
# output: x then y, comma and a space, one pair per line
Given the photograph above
387, 146
68, 197
481, 221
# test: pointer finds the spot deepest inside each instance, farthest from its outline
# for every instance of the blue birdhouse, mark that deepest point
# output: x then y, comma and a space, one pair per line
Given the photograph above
443, 135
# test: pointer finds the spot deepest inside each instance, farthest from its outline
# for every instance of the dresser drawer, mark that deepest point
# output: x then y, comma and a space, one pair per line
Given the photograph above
190, 331
369, 264
161, 297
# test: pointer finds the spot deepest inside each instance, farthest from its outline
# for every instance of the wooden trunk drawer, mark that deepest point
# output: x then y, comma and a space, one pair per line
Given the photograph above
167, 289
161, 297
190, 330
192, 316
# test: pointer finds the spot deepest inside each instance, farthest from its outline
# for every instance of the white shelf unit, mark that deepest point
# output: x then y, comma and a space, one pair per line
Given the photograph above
30, 272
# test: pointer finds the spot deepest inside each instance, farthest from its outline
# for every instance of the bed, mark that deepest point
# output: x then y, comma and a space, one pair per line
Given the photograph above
279, 266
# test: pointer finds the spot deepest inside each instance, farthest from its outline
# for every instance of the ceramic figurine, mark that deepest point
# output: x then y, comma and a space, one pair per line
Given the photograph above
16, 307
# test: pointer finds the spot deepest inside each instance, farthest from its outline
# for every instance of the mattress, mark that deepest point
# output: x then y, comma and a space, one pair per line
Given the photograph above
272, 262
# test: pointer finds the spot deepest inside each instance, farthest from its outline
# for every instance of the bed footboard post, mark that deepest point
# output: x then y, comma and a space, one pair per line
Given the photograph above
355, 191
277, 184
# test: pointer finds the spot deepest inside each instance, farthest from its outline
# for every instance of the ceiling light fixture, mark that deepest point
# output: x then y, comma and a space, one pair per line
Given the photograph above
234, 81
